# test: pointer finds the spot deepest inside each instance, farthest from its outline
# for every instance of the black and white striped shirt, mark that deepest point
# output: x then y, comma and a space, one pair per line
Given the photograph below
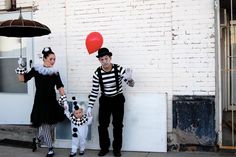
109, 83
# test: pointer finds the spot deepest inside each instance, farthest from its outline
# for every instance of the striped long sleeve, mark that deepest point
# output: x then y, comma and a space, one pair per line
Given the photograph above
109, 83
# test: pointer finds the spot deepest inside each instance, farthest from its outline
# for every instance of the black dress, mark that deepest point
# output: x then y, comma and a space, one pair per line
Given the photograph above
46, 109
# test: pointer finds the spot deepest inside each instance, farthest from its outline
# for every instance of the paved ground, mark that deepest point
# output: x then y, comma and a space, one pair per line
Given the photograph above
6, 151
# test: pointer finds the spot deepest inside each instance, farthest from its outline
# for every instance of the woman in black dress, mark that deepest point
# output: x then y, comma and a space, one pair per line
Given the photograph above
46, 110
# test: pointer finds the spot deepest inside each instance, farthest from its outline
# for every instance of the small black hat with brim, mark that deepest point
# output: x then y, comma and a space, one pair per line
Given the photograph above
103, 52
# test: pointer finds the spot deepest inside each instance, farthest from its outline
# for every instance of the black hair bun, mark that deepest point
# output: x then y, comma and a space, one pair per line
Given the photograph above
46, 50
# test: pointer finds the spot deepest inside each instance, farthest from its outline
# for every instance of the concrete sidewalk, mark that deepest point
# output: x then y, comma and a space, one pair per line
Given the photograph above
6, 151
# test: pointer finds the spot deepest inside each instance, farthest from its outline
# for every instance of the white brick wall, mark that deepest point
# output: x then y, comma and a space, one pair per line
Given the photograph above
131, 30
168, 43
193, 50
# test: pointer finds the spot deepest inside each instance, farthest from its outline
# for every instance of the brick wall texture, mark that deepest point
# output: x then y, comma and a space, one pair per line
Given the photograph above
169, 44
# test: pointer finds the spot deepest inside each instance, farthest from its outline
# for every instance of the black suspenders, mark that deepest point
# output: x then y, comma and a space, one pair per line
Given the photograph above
117, 77
100, 78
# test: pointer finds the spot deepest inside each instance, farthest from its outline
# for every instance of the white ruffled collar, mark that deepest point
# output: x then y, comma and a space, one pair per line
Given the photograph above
45, 70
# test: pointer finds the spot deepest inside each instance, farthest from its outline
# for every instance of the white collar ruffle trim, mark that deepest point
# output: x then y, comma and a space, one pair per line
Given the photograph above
45, 70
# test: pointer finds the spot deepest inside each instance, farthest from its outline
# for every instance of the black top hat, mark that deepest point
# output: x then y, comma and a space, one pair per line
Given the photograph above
103, 52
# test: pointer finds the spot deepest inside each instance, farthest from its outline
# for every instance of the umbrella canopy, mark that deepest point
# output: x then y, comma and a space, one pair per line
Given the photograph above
23, 28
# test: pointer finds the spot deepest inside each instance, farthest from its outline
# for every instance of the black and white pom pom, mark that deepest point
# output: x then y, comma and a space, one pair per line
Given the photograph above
75, 103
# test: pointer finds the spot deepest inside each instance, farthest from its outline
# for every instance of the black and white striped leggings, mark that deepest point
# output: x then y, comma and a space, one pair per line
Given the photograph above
45, 134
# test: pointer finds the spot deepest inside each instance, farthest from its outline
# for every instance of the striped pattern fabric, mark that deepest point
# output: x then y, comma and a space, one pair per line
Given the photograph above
109, 82
45, 135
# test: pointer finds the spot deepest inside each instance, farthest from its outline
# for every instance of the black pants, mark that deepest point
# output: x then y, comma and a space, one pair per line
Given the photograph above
111, 106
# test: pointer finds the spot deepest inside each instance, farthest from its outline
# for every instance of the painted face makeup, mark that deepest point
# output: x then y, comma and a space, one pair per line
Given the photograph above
105, 61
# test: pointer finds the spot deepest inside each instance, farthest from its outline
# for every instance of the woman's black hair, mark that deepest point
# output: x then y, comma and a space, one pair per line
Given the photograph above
47, 51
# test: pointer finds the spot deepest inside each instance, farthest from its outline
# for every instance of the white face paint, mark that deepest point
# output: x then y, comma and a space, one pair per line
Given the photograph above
105, 61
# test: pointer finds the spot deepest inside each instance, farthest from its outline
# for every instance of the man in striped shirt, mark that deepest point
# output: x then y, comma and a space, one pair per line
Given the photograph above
109, 78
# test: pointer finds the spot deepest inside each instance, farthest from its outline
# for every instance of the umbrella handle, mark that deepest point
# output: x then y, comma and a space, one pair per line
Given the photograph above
30, 63
20, 47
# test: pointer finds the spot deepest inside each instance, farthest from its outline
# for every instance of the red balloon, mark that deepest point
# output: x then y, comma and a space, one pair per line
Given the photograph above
94, 42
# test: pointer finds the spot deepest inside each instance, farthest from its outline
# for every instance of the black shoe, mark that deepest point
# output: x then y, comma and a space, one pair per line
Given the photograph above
103, 152
34, 145
36, 141
72, 154
116, 153
50, 153
81, 153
